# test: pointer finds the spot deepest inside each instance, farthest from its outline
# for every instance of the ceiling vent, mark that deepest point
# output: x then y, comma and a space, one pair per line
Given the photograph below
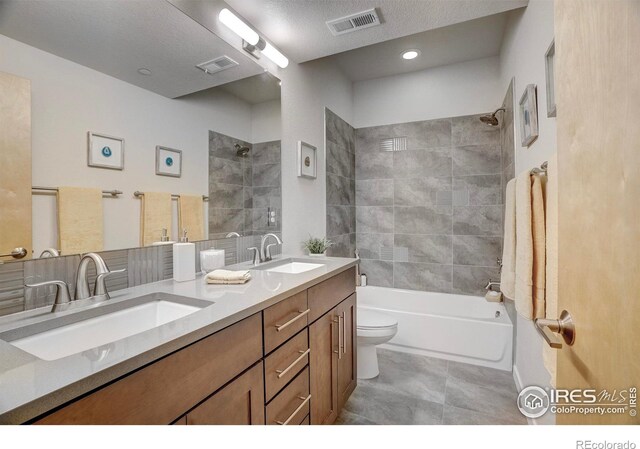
354, 22
217, 65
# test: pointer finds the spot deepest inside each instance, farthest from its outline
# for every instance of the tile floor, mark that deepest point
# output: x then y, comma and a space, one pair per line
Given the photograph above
414, 389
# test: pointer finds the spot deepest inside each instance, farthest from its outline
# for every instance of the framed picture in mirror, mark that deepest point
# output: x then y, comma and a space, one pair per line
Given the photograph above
528, 116
105, 151
549, 58
168, 162
307, 160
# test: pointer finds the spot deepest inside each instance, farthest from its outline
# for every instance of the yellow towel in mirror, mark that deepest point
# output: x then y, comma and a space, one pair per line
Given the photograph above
80, 220
191, 216
155, 215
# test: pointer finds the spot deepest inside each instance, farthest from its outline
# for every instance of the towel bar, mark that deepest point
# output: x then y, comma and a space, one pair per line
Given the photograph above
174, 196
37, 189
542, 170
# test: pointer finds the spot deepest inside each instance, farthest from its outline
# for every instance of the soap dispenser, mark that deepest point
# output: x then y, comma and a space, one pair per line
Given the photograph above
184, 259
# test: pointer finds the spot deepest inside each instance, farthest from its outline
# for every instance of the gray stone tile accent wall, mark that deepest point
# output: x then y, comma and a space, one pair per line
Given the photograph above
430, 217
341, 186
144, 265
242, 189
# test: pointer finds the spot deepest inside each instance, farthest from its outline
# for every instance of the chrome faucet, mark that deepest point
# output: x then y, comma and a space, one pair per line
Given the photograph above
63, 298
102, 272
491, 284
265, 252
232, 234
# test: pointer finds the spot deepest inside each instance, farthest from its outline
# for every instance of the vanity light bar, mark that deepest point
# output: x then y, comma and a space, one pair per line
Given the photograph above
235, 24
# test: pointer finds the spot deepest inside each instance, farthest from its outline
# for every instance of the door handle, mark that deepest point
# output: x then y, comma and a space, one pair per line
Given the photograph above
300, 314
283, 372
340, 337
16, 253
295, 412
552, 330
344, 333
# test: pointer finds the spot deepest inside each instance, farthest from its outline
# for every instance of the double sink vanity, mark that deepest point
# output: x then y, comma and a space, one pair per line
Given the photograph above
279, 349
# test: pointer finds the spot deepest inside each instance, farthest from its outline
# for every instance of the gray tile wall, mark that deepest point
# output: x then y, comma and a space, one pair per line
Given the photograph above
341, 185
429, 217
242, 189
144, 265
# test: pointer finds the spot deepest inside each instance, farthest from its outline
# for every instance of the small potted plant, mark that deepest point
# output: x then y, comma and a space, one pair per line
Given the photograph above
317, 246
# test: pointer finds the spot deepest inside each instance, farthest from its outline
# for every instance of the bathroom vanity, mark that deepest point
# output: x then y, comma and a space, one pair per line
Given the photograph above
280, 349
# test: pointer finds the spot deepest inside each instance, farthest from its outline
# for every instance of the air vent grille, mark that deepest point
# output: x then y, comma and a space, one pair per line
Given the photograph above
354, 22
393, 144
217, 65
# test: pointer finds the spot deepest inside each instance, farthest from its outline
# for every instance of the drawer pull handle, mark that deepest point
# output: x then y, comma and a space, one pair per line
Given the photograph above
295, 412
283, 372
301, 313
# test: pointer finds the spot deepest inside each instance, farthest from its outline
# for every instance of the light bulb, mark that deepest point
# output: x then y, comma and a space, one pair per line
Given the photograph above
236, 25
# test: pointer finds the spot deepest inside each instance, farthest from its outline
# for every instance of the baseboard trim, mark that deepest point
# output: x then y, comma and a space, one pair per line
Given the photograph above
519, 386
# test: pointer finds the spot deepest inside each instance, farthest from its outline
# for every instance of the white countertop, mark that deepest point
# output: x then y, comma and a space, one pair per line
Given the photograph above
30, 386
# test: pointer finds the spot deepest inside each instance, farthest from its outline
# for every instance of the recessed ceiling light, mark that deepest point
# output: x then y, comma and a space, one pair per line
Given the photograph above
411, 54
143, 71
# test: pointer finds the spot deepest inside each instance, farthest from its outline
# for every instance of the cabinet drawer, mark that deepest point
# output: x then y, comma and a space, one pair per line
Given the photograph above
305, 421
292, 404
165, 390
284, 363
327, 294
239, 403
285, 319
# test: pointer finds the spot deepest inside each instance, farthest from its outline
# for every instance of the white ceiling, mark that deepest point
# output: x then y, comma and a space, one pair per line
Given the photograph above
479, 38
298, 29
117, 37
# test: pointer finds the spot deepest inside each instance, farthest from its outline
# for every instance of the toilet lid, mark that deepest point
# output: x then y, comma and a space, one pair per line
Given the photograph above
368, 319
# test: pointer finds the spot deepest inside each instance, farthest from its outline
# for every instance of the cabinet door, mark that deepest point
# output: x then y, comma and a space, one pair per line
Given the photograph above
324, 368
347, 355
240, 402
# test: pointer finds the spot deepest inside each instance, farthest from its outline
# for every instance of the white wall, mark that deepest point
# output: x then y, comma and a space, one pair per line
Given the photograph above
266, 121
69, 99
306, 90
527, 37
466, 88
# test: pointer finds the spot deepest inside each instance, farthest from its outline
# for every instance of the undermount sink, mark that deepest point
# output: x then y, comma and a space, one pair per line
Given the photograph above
295, 267
289, 266
60, 337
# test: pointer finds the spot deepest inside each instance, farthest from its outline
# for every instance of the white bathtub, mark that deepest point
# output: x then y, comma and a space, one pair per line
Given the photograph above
454, 327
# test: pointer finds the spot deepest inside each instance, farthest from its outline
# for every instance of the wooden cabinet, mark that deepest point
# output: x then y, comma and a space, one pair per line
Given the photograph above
323, 342
240, 402
332, 340
165, 390
347, 371
291, 405
271, 368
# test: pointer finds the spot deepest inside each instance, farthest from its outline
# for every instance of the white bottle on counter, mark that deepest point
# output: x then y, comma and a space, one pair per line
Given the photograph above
184, 259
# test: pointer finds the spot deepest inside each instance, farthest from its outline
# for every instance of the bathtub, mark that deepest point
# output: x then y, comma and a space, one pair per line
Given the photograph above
454, 327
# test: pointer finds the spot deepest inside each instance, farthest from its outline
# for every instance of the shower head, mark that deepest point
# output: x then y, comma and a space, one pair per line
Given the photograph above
491, 119
241, 151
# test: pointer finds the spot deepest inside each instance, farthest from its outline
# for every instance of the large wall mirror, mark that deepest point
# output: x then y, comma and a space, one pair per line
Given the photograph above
124, 123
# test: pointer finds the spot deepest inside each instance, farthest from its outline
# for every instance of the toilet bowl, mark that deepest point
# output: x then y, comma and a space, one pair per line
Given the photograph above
373, 329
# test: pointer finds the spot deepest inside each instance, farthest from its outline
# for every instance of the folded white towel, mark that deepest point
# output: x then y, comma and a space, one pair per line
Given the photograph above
227, 277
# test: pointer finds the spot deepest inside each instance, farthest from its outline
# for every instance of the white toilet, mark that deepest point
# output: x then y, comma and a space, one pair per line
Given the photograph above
374, 328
